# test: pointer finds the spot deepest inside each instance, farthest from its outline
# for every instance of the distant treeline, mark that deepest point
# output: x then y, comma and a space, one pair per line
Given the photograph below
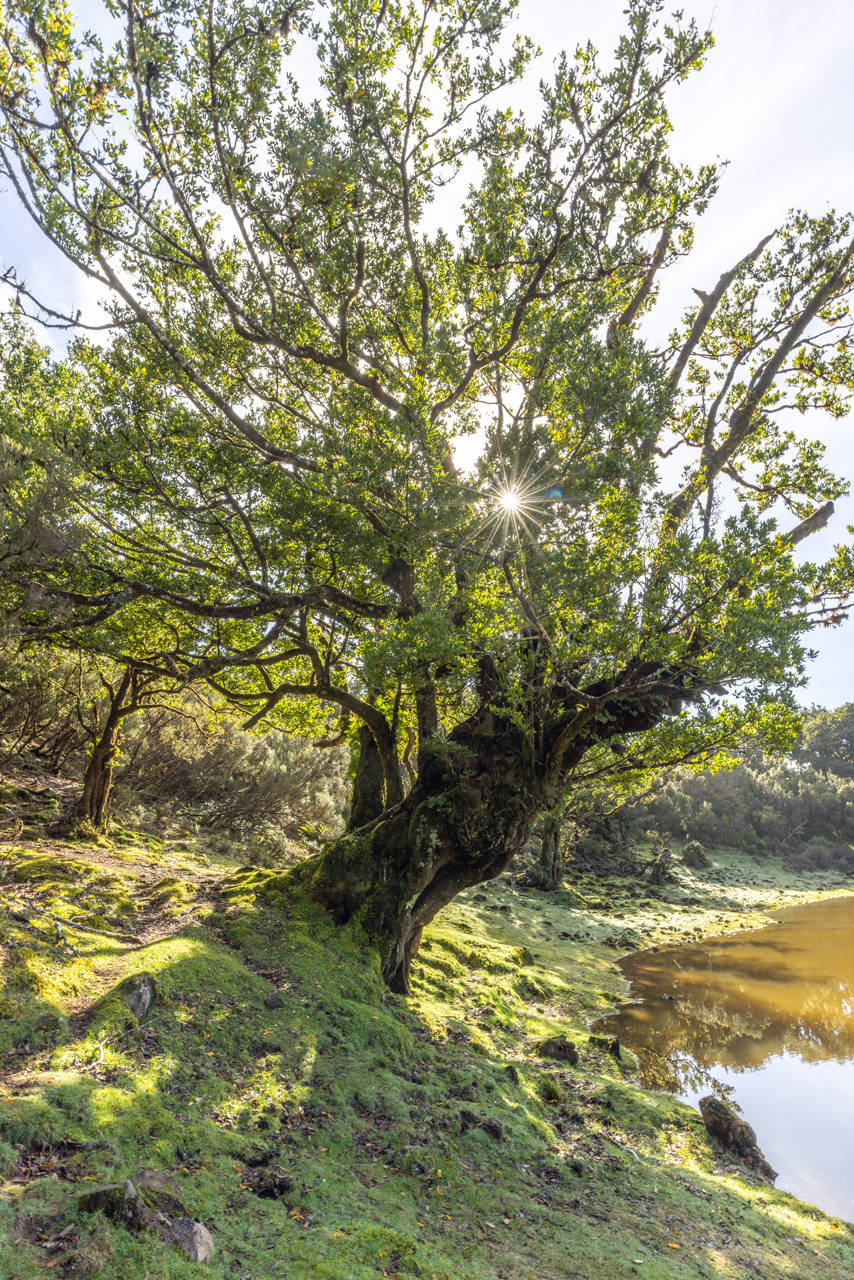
800, 806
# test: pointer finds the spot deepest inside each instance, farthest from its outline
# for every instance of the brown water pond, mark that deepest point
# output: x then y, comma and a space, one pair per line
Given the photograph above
765, 1019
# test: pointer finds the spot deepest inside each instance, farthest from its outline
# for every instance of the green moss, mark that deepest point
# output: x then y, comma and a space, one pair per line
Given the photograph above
354, 1098
171, 891
50, 869
549, 1089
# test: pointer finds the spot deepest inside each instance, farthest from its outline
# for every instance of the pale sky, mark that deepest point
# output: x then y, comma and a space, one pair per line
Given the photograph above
776, 99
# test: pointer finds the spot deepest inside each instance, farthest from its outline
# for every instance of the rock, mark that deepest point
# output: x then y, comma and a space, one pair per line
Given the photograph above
731, 1131
274, 1001
118, 1200
611, 1044
191, 1237
153, 1203
560, 1048
139, 993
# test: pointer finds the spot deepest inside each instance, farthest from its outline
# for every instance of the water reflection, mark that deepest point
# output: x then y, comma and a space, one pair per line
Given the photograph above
767, 1019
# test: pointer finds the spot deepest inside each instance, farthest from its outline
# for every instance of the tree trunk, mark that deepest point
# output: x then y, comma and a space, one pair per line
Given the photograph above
546, 872
92, 805
469, 811
368, 800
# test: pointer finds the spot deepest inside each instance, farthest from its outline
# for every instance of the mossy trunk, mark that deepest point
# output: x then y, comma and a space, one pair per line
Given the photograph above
547, 871
470, 809
468, 813
91, 808
92, 805
368, 799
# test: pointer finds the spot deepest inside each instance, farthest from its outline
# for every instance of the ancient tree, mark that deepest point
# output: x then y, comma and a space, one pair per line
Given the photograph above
333, 254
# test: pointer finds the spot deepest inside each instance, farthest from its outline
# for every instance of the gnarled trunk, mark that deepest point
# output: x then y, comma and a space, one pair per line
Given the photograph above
469, 811
368, 799
92, 804
546, 871
91, 809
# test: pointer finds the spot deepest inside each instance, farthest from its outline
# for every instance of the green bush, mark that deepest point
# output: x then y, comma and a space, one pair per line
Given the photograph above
270, 788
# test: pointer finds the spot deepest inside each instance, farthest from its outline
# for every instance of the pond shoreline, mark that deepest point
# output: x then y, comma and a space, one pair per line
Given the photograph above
759, 1018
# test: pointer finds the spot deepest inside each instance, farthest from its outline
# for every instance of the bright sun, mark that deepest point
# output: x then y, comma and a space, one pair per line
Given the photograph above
509, 500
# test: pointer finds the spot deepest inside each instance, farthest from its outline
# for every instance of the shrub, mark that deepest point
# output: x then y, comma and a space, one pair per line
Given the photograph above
693, 855
268, 789
819, 854
44, 697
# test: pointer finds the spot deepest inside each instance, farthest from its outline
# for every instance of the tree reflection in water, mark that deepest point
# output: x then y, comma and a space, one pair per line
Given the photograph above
737, 1001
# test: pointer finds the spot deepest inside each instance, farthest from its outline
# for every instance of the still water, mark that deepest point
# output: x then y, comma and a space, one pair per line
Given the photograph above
766, 1019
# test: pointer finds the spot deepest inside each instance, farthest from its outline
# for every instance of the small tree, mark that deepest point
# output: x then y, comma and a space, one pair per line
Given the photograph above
265, 444
110, 659
126, 693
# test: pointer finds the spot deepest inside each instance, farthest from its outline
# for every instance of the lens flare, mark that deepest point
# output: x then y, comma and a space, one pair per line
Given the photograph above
510, 500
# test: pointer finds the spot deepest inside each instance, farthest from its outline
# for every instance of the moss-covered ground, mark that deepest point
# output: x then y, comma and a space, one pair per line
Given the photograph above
322, 1127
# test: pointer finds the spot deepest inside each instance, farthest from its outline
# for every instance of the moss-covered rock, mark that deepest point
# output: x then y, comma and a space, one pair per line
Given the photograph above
559, 1048
151, 1202
549, 1089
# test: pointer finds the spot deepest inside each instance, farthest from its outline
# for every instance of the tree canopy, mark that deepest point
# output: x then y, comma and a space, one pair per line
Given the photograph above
315, 289
826, 741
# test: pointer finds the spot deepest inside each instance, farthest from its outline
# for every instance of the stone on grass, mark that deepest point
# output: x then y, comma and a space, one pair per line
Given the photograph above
139, 993
274, 1001
192, 1237
150, 1202
734, 1133
560, 1048
610, 1044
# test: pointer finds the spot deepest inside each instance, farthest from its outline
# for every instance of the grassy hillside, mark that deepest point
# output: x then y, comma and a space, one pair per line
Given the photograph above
321, 1127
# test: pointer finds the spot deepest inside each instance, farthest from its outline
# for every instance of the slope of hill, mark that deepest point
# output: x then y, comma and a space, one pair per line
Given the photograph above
320, 1126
